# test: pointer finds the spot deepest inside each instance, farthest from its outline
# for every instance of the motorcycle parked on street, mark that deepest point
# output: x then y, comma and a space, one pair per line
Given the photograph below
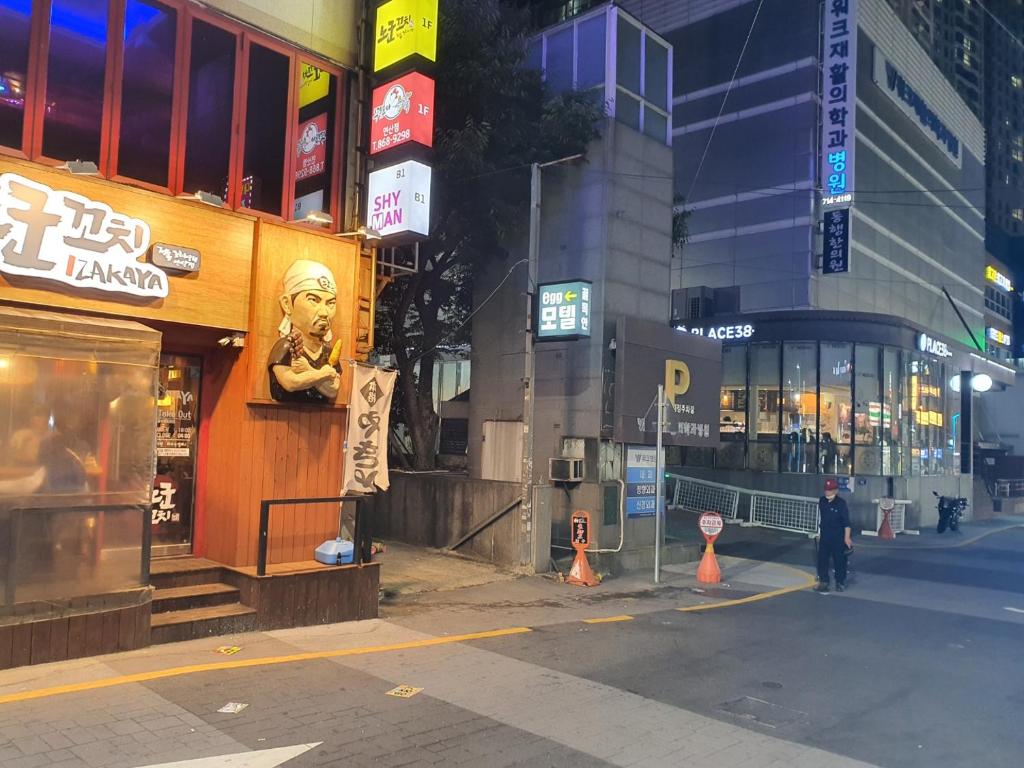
951, 509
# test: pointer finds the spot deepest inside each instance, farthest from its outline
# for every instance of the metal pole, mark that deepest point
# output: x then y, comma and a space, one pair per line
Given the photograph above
659, 493
526, 513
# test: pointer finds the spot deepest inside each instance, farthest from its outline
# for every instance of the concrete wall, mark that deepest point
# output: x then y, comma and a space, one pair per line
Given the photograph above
328, 27
436, 510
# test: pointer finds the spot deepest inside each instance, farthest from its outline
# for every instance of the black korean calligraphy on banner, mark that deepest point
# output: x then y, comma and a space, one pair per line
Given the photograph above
836, 259
839, 102
366, 446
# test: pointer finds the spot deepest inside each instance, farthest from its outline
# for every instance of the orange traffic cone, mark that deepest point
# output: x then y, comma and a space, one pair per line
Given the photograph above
708, 571
885, 529
580, 573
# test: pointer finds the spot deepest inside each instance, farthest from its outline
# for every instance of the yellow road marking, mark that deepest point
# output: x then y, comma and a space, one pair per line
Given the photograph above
809, 581
159, 674
608, 619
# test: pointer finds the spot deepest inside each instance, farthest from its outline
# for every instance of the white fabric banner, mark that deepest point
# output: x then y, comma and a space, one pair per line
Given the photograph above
366, 445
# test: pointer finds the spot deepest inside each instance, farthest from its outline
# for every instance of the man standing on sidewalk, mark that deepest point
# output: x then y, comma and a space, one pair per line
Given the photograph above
834, 537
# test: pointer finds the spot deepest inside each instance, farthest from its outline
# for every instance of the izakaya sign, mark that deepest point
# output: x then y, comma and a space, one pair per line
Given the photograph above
67, 238
399, 199
403, 110
404, 28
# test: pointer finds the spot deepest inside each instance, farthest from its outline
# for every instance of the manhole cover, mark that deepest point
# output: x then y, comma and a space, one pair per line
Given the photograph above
763, 712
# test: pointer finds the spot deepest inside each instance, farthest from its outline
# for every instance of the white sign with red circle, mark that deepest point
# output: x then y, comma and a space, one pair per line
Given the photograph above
710, 524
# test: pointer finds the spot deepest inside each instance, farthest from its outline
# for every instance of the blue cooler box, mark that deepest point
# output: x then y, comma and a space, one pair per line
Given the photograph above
335, 552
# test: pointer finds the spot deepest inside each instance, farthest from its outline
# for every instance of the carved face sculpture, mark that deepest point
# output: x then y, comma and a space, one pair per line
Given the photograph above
309, 300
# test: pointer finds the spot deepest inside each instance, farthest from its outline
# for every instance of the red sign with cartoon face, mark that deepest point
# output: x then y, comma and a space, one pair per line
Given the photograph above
311, 148
403, 111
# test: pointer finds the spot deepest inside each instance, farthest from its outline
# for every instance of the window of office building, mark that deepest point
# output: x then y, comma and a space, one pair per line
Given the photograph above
836, 411
316, 139
763, 408
799, 407
266, 121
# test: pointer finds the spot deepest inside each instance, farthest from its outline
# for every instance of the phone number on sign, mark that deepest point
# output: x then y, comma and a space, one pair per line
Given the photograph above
388, 141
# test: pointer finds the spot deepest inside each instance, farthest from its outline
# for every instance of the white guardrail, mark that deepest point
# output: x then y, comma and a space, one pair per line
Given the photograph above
768, 510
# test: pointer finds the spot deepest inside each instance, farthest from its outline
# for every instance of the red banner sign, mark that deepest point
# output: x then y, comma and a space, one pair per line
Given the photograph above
311, 148
403, 111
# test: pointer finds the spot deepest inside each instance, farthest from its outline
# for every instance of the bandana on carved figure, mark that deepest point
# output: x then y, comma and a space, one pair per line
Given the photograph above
306, 275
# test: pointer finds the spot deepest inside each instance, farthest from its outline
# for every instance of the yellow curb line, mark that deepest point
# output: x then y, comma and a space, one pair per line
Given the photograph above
809, 581
608, 620
159, 674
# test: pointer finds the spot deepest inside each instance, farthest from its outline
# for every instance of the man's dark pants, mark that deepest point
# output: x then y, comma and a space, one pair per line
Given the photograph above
835, 548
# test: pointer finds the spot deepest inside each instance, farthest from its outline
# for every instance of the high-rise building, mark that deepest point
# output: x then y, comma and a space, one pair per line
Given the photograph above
1004, 123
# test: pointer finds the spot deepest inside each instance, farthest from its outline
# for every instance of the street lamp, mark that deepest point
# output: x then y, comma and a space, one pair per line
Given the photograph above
526, 547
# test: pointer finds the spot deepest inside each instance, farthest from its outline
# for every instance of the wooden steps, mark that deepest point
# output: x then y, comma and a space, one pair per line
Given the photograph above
190, 601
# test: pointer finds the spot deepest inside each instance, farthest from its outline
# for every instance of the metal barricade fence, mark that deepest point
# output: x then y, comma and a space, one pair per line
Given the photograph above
1009, 489
786, 513
897, 516
703, 496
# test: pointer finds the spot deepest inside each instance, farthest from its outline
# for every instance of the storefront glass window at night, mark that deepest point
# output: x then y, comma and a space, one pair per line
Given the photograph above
835, 408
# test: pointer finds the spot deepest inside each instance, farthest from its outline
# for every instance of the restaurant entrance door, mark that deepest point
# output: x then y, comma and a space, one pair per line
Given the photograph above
177, 444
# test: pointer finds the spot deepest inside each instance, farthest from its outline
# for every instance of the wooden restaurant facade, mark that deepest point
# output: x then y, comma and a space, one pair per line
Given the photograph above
162, 168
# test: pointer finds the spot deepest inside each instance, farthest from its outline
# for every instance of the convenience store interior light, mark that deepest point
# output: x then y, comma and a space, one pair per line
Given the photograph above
204, 197
80, 168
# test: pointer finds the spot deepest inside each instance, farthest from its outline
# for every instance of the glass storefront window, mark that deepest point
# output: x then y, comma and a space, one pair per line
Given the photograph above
14, 36
951, 433
836, 413
799, 407
314, 159
211, 89
265, 122
177, 444
763, 407
867, 412
893, 411
928, 418
733, 416
144, 148
75, 73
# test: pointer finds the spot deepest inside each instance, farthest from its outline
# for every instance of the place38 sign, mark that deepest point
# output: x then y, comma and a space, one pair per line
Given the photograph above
70, 239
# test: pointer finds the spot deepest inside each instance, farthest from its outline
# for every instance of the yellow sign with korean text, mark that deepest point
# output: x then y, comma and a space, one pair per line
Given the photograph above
404, 28
314, 83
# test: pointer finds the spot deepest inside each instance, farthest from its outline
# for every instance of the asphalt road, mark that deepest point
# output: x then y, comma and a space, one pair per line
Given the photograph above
918, 664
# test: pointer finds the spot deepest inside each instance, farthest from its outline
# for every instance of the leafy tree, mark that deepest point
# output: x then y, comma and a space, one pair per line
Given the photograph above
494, 118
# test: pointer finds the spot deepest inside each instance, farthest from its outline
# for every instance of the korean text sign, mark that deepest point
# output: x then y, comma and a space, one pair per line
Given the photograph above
404, 28
641, 481
403, 110
67, 238
399, 199
836, 259
839, 102
311, 148
563, 310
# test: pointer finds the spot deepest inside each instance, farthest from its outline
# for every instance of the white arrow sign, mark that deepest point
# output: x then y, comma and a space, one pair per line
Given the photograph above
265, 758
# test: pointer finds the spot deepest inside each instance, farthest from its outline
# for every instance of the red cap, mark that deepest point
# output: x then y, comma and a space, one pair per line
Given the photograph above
831, 485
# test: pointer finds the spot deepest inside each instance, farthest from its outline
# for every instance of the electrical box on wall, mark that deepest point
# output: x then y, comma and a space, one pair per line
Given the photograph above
565, 470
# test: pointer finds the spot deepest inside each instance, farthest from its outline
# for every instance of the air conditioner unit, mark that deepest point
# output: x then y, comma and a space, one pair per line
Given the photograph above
565, 470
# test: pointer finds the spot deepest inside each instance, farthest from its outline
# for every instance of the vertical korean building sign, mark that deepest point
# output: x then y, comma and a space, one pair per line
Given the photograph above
836, 259
839, 102
404, 28
403, 110
563, 311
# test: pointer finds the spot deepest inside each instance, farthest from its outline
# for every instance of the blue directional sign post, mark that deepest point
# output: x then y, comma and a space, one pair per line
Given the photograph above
563, 311
641, 481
